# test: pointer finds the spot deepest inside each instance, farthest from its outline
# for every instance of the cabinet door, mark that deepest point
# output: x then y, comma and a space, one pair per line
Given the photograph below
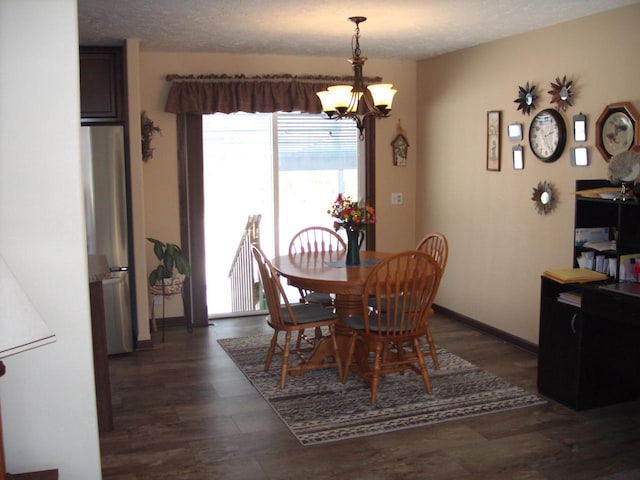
101, 85
610, 367
559, 351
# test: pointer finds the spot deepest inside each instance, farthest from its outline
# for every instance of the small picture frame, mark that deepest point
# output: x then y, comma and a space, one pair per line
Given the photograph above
493, 141
514, 132
518, 157
579, 156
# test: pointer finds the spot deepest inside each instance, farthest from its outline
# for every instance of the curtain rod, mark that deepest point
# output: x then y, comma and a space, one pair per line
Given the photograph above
270, 78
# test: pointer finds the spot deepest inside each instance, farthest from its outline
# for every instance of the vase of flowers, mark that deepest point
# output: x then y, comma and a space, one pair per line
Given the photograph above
353, 217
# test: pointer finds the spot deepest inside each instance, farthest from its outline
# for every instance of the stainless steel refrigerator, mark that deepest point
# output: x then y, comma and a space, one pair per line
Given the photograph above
106, 210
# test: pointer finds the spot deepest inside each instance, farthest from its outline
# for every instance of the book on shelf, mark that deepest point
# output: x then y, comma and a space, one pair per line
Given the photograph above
572, 297
574, 275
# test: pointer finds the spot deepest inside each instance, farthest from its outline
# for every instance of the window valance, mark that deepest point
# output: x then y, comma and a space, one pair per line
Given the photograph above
206, 94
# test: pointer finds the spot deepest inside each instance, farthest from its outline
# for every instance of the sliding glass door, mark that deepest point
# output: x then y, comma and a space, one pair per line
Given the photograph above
286, 167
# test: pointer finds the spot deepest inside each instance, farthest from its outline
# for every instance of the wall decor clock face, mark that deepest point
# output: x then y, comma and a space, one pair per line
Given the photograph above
617, 130
547, 135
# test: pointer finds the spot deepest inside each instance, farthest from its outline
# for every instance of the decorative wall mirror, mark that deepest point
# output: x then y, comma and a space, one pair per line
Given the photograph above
526, 98
617, 129
514, 132
518, 157
579, 156
544, 198
580, 128
561, 93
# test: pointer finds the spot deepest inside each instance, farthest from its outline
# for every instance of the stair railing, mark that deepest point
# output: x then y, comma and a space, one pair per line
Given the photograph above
246, 294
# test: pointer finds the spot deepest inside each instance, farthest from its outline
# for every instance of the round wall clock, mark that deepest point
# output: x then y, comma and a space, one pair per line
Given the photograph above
547, 135
617, 130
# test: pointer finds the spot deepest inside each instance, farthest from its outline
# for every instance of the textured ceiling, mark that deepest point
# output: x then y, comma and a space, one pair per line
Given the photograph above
403, 29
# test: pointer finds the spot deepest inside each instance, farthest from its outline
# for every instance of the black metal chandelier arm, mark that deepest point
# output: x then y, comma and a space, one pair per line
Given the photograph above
357, 101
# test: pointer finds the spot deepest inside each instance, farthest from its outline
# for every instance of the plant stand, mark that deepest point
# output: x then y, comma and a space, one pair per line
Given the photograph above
164, 293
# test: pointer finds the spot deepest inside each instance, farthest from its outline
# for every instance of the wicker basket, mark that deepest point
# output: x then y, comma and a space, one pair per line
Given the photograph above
169, 286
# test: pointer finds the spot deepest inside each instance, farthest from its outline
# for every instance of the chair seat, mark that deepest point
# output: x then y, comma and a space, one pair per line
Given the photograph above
389, 304
358, 323
385, 303
319, 297
307, 313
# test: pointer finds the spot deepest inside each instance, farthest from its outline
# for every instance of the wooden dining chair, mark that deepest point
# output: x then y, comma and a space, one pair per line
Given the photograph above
436, 245
393, 333
288, 319
327, 244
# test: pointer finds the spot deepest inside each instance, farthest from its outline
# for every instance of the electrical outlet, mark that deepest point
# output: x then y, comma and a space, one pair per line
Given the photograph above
396, 199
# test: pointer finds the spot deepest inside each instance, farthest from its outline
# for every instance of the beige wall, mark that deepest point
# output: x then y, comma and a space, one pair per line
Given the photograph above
499, 244
160, 173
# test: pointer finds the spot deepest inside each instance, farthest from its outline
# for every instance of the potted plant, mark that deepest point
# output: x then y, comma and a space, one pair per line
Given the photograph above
169, 275
147, 130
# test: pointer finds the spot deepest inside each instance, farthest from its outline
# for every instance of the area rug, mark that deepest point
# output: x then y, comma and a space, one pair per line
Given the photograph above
318, 408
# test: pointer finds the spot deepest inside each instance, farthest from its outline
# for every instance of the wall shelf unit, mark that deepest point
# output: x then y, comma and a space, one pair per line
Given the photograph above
622, 218
588, 353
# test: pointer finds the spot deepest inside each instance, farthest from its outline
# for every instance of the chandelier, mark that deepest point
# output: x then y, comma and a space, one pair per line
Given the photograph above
357, 101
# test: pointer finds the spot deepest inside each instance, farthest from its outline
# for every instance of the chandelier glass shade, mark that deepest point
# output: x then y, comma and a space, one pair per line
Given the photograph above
357, 101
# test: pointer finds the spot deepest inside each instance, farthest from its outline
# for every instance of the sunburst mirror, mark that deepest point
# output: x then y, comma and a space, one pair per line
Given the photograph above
526, 98
561, 93
544, 198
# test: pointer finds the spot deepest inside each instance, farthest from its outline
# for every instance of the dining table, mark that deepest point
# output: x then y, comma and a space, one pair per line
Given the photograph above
327, 273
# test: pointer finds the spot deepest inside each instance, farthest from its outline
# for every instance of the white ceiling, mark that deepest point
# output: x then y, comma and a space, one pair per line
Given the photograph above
402, 29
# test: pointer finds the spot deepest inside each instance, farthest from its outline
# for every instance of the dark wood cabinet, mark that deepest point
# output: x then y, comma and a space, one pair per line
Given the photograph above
588, 356
102, 85
100, 358
559, 346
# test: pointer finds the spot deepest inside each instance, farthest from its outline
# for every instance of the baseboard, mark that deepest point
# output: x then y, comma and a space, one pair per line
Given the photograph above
483, 327
142, 345
172, 322
169, 322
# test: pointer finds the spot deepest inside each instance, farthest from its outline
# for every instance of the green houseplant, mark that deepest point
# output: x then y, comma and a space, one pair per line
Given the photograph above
173, 267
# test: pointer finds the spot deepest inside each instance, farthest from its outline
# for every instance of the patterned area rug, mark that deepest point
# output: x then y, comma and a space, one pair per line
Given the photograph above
318, 408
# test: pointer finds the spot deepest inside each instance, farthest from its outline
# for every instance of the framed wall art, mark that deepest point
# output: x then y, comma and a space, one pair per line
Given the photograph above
400, 145
493, 141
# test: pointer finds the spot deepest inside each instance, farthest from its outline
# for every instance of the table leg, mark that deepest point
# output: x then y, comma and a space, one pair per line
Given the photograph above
346, 306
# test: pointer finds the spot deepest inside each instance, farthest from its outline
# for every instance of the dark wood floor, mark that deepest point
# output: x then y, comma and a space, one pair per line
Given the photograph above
185, 411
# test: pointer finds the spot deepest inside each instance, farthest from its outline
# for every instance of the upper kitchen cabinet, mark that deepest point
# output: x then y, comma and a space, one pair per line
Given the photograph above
102, 85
